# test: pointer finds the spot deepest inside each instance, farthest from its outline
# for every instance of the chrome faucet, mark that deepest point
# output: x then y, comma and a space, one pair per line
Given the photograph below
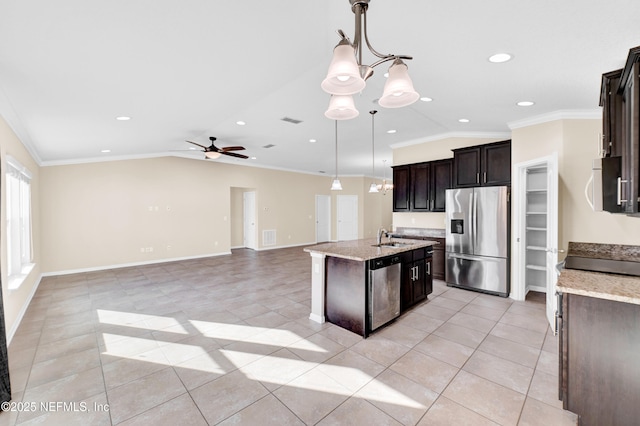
382, 231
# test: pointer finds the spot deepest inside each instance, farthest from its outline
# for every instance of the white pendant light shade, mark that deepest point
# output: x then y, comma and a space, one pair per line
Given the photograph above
398, 90
343, 77
341, 107
212, 155
336, 185
373, 187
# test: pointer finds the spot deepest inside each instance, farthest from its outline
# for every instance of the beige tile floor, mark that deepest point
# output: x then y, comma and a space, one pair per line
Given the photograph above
227, 340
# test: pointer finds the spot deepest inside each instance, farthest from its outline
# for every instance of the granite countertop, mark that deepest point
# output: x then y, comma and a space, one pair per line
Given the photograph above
418, 233
621, 288
363, 250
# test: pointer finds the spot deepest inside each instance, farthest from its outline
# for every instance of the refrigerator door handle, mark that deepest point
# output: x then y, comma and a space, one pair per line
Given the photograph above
474, 220
471, 257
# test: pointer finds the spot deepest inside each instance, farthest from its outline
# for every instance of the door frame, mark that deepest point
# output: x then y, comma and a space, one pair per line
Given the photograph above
518, 285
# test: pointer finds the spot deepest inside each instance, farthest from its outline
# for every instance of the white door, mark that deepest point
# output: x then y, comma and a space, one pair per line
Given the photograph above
347, 217
552, 239
323, 218
249, 217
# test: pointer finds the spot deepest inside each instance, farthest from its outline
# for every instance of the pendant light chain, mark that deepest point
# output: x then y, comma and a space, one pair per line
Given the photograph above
336, 148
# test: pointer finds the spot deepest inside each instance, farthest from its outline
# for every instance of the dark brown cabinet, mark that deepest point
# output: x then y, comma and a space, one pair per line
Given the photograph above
482, 165
417, 281
401, 188
421, 187
438, 264
630, 171
599, 375
620, 101
611, 103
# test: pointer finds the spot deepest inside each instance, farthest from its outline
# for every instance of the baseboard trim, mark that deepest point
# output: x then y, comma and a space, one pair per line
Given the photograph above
127, 265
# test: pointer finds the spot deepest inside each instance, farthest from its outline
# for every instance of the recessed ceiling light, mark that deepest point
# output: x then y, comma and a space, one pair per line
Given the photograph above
313, 140
525, 103
499, 57
386, 75
391, 131
464, 120
254, 158
426, 99
240, 123
104, 151
123, 118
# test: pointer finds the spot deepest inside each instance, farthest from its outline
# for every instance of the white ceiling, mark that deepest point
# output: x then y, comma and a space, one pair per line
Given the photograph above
191, 69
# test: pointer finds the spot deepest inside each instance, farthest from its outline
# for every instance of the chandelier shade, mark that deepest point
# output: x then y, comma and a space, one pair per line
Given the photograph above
347, 73
343, 77
398, 90
341, 107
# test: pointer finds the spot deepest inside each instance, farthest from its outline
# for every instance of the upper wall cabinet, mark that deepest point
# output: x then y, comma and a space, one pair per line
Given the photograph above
482, 165
421, 187
620, 101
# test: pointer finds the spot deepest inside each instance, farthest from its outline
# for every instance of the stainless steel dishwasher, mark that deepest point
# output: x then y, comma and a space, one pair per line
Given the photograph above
384, 290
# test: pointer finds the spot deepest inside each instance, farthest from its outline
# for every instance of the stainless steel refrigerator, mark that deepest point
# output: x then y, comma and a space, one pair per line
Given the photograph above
477, 239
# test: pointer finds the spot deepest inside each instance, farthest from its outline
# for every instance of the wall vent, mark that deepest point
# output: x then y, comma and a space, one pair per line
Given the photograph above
269, 146
269, 237
291, 120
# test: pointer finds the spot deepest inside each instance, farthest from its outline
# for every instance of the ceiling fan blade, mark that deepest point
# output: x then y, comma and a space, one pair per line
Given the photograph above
201, 146
232, 148
233, 154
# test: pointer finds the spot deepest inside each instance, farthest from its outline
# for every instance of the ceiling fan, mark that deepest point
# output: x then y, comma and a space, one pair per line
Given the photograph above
212, 152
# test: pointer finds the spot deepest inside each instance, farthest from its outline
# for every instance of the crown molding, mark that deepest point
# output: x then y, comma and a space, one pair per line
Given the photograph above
441, 136
568, 114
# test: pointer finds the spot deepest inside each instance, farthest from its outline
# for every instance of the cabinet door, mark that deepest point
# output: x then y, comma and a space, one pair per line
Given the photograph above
466, 167
611, 103
419, 289
428, 276
401, 180
406, 288
441, 177
630, 187
496, 164
419, 187
438, 260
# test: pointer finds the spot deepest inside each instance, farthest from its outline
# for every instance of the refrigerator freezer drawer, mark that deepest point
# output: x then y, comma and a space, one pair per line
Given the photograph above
486, 274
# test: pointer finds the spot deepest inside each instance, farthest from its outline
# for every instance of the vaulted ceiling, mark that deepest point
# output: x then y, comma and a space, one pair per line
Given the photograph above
194, 68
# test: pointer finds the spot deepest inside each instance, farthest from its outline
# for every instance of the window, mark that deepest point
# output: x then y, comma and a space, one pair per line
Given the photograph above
18, 222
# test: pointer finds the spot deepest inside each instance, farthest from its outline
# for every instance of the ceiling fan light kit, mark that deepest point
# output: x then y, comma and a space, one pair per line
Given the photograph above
347, 75
212, 152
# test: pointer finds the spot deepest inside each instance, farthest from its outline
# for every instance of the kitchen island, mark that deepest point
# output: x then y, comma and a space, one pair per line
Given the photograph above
599, 327
360, 284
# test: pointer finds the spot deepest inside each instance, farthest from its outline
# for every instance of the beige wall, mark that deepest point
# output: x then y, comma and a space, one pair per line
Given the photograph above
114, 213
575, 142
429, 151
15, 300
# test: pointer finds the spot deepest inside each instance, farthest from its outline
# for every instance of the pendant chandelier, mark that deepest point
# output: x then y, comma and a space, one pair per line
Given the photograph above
384, 187
347, 74
336, 185
373, 187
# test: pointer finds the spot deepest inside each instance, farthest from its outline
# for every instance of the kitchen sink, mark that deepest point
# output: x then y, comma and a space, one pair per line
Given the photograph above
392, 244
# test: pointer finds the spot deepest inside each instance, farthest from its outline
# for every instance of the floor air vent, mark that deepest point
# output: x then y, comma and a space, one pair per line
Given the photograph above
269, 237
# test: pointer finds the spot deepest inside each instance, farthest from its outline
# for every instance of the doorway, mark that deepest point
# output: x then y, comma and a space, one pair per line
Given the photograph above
536, 228
323, 218
347, 207
249, 219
